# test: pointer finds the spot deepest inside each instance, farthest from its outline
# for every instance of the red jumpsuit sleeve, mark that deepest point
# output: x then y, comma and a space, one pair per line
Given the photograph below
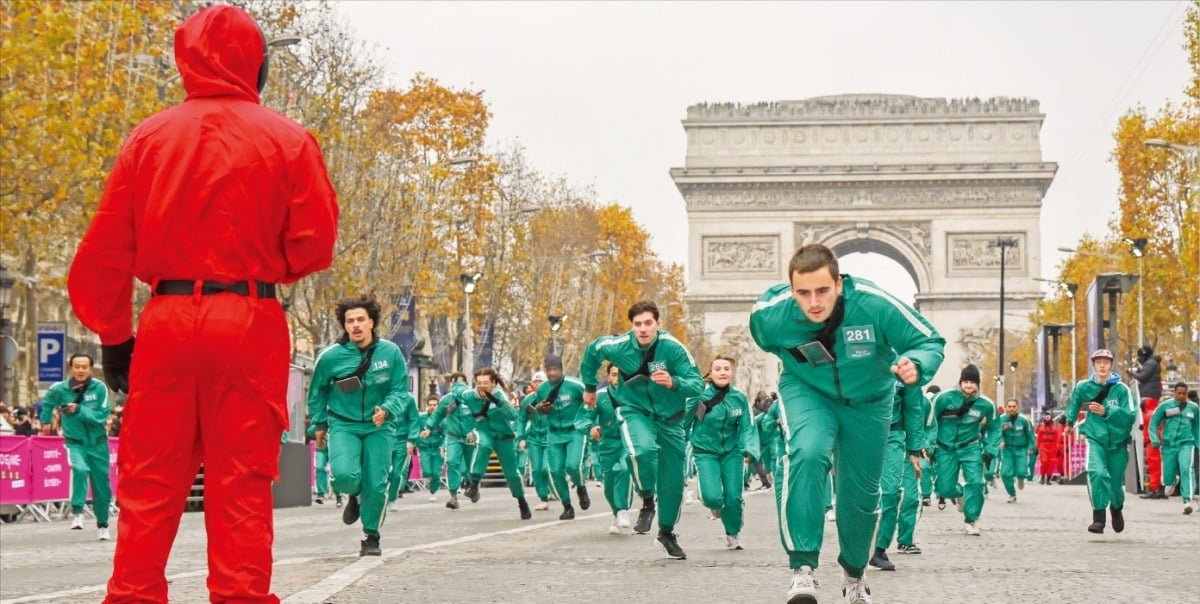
100, 282
312, 216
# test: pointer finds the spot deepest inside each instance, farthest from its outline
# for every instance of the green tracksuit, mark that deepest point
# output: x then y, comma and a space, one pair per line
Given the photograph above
1017, 443
844, 405
493, 417
1180, 432
650, 414
722, 439
966, 429
900, 503
430, 450
769, 438
566, 439
360, 453
320, 463
532, 429
452, 416
407, 428
1108, 437
928, 444
86, 441
614, 458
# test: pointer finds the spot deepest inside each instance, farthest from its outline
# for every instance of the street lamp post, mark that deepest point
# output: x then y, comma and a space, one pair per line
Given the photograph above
1137, 248
1002, 243
469, 283
1070, 289
556, 323
6, 286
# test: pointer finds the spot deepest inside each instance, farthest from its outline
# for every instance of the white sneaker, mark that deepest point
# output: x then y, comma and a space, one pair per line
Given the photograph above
77, 522
714, 513
961, 504
433, 497
1188, 508
687, 497
623, 519
1020, 483
543, 506
1171, 489
830, 515
394, 507
969, 528
1012, 499
733, 542
615, 528
104, 536
803, 589
856, 591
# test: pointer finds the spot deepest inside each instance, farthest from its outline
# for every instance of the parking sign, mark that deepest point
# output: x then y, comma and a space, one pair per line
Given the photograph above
51, 345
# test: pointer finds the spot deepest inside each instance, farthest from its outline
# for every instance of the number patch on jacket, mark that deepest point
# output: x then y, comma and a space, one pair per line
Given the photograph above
860, 341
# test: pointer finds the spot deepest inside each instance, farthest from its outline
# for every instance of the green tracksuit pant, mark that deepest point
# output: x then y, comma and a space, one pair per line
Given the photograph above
1013, 465
689, 464
506, 451
565, 453
401, 465
1106, 475
431, 467
1177, 468
593, 462
1033, 455
720, 486
458, 459
321, 461
614, 471
360, 455
969, 461
901, 501
656, 459
539, 466
90, 461
926, 478
813, 428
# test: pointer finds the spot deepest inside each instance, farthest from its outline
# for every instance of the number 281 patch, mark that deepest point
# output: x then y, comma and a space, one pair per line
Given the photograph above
860, 341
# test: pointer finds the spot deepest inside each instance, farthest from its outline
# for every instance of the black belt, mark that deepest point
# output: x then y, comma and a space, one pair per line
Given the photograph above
177, 287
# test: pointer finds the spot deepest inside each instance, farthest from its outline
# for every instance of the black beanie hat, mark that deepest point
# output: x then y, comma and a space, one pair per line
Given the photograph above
552, 360
970, 373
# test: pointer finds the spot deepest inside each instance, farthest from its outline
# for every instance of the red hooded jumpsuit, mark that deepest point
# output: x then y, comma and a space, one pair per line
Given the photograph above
216, 188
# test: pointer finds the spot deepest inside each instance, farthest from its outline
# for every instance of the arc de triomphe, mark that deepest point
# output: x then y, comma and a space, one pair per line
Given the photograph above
928, 182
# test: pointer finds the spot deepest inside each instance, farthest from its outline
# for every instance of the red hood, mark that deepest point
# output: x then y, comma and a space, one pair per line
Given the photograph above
219, 51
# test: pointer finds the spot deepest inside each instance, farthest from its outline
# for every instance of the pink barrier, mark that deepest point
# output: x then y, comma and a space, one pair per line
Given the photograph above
16, 482
51, 472
414, 468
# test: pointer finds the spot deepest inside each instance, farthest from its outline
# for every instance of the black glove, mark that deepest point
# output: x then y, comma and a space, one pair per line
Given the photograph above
116, 359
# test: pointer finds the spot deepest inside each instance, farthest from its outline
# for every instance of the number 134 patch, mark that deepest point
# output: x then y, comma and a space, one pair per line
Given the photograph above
860, 341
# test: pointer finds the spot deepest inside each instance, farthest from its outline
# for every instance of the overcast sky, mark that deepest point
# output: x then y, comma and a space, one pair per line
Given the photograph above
596, 91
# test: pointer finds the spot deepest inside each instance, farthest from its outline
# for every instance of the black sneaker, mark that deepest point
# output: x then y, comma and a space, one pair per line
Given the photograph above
340, 500
941, 503
644, 522
452, 503
370, 544
925, 502
568, 513
1118, 520
585, 502
523, 505
668, 542
880, 561
1097, 525
319, 500
472, 491
350, 514
908, 549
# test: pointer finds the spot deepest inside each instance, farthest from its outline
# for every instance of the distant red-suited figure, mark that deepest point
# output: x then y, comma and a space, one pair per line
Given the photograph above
1049, 444
211, 202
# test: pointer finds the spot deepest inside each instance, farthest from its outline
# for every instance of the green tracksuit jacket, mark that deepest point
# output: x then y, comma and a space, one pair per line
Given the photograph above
86, 442
1108, 437
846, 404
720, 443
614, 459
965, 428
1180, 432
494, 417
1016, 434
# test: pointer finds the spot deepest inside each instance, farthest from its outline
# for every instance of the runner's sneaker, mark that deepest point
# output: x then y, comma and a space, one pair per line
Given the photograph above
830, 515
803, 589
568, 513
1171, 489
350, 514
733, 542
856, 591
623, 519
340, 500
452, 503
669, 543
880, 561
523, 506
543, 506
908, 549
961, 504
319, 500
1188, 508
104, 536
969, 528
433, 498
714, 513
394, 507
645, 521
370, 545
1012, 499
941, 503
1020, 483
585, 502
77, 522
687, 497
925, 502
472, 491
615, 528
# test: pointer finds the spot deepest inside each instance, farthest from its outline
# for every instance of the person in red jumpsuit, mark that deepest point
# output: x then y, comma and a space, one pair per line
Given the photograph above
1154, 484
212, 203
1049, 444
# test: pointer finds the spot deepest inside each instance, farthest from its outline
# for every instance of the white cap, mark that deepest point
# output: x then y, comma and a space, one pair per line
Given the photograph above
539, 377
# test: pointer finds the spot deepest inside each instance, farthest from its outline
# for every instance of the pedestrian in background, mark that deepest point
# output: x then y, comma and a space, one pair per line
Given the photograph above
1179, 419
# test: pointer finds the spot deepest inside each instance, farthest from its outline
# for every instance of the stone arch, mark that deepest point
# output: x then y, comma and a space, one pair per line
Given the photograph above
885, 243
